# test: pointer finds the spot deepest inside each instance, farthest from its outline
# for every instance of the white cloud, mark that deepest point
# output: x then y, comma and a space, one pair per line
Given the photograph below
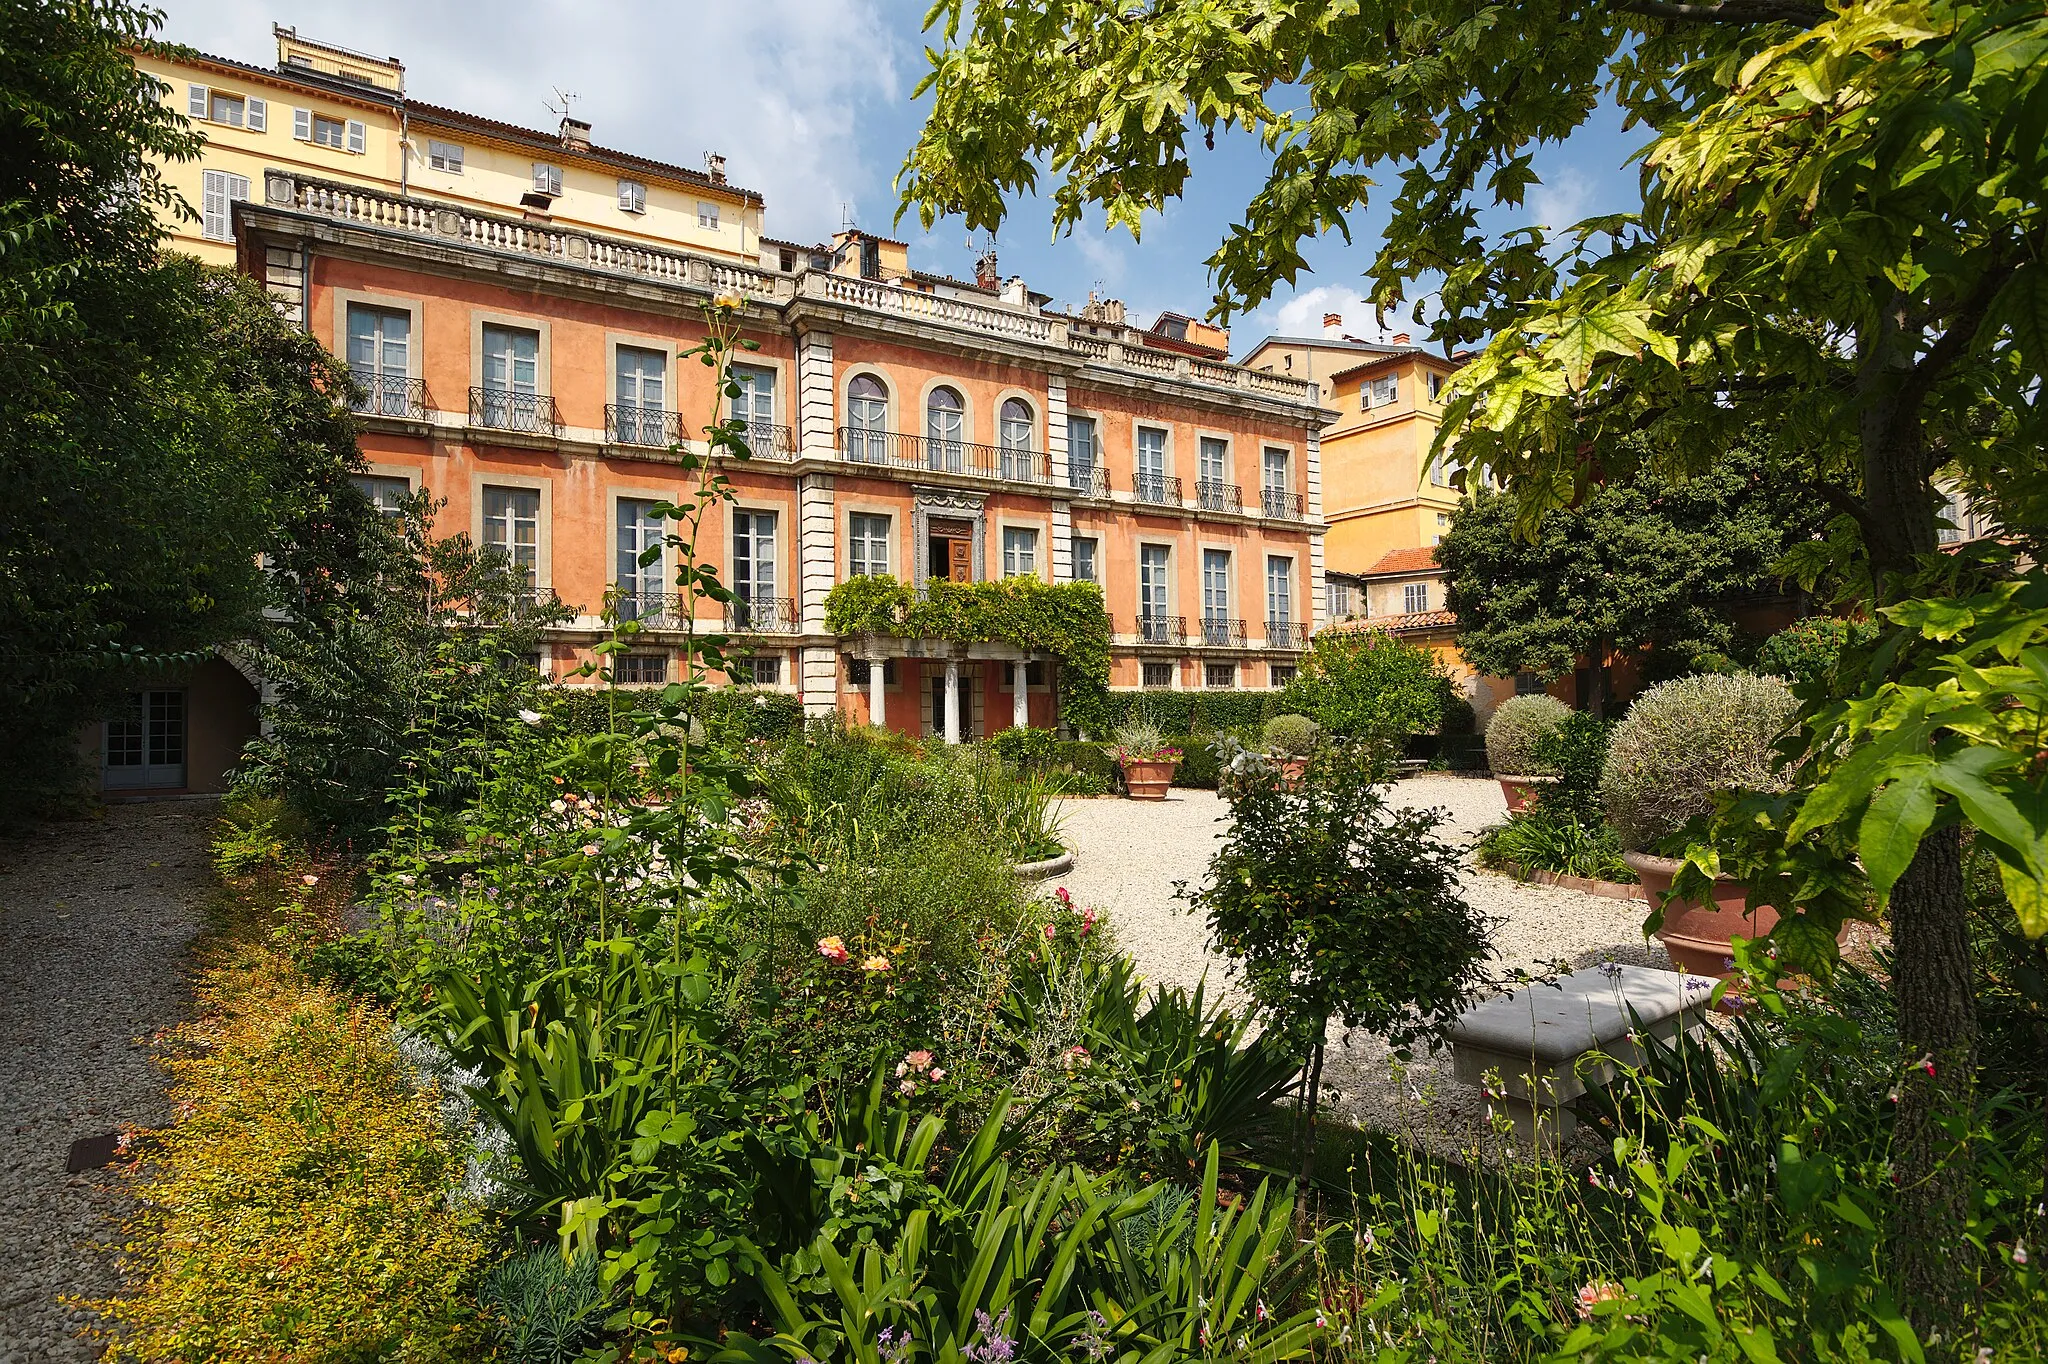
778, 86
1561, 200
1302, 315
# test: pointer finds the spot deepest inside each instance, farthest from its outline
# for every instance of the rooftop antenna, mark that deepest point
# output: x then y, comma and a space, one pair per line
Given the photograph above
846, 219
563, 101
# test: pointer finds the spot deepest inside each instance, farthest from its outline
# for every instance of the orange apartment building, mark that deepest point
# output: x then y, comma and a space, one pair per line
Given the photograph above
517, 337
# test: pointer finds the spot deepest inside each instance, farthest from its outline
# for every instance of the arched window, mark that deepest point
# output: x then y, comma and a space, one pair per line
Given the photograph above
867, 420
945, 430
1013, 434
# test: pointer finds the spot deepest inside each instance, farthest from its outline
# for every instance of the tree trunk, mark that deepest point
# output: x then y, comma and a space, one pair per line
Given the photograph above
1313, 1074
1935, 991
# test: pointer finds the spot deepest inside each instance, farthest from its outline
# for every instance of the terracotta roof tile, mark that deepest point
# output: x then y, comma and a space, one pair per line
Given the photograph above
1420, 559
1401, 624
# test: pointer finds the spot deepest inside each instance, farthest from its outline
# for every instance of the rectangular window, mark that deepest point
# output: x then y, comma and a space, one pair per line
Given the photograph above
754, 404
1415, 597
632, 197
858, 674
641, 390
868, 541
547, 179
1153, 596
1339, 599
218, 190
1151, 457
1083, 454
762, 670
512, 524
225, 108
640, 585
1158, 674
1440, 475
511, 360
1280, 674
1215, 458
1020, 552
639, 668
1380, 392
386, 492
1279, 590
707, 215
1215, 584
753, 562
1085, 568
1436, 387
379, 340
444, 156
1219, 676
1275, 463
329, 132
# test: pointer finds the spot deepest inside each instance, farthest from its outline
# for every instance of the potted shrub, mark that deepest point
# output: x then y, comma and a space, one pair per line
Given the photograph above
1680, 743
1289, 739
1147, 761
1512, 734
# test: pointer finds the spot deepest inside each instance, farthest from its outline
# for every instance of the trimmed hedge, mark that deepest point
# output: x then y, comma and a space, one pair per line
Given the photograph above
1199, 767
1194, 712
737, 713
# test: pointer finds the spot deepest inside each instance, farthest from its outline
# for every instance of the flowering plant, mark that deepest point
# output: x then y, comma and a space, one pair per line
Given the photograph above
1140, 741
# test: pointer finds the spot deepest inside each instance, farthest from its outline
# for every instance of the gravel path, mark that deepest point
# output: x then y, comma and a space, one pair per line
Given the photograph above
1129, 854
95, 918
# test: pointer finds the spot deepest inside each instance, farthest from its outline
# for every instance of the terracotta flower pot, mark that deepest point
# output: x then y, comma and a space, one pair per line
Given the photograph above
1148, 778
1521, 792
1699, 936
1291, 770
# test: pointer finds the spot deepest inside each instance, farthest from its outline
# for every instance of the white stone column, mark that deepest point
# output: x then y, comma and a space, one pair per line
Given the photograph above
1020, 699
952, 730
877, 693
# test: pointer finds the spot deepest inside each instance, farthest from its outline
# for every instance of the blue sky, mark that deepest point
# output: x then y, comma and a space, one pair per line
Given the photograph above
809, 100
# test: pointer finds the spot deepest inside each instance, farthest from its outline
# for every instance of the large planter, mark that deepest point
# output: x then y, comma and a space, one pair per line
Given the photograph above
1521, 792
1148, 778
1291, 770
1699, 936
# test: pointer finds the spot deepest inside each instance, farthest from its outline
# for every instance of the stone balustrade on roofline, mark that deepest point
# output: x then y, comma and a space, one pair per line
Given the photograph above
436, 220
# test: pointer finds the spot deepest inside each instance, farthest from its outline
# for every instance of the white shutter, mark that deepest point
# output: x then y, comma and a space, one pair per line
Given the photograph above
258, 115
195, 101
355, 137
626, 195
213, 206
302, 124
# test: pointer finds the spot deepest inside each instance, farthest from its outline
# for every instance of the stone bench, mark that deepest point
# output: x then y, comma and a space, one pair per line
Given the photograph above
1551, 1043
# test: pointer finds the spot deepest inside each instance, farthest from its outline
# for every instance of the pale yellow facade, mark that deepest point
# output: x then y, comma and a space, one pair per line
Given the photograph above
323, 113
1380, 491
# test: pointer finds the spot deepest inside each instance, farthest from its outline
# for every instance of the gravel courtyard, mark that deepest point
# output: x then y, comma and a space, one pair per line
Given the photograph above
1129, 854
95, 918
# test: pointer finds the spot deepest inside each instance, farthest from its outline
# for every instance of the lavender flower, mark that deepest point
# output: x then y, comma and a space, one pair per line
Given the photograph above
995, 1345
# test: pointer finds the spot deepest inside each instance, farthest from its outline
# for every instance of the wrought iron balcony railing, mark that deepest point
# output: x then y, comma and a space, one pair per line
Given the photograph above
1218, 497
502, 409
765, 440
390, 395
1286, 634
900, 450
1278, 502
1159, 488
628, 424
655, 610
1088, 480
1155, 629
1221, 633
762, 616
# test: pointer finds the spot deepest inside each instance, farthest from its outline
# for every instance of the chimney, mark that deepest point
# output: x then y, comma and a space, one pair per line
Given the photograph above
1015, 293
1400, 338
1333, 326
575, 134
714, 166
985, 274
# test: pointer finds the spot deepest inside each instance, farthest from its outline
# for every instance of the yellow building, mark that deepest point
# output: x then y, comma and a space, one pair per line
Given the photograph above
327, 114
1380, 493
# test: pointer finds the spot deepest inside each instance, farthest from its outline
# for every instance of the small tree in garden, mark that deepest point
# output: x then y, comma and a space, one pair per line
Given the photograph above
1366, 684
1340, 906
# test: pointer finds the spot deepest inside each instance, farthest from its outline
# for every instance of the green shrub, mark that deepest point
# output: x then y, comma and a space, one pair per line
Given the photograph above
1292, 736
732, 714
1684, 740
1460, 719
1576, 754
552, 1309
1805, 651
1368, 684
1541, 839
1194, 712
1512, 733
1025, 747
1093, 764
1199, 766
